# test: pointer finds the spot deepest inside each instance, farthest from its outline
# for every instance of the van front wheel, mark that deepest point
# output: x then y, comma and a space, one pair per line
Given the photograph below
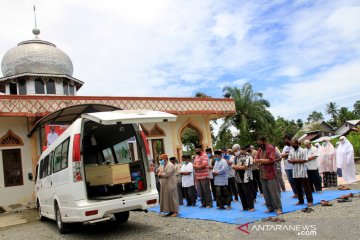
62, 227
41, 218
122, 217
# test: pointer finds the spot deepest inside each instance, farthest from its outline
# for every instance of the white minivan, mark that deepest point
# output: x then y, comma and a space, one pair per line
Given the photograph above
66, 187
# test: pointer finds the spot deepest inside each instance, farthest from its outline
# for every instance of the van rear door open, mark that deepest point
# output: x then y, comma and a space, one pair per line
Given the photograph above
129, 117
114, 155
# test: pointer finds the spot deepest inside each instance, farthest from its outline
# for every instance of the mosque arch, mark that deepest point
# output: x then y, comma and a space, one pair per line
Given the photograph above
10, 139
190, 125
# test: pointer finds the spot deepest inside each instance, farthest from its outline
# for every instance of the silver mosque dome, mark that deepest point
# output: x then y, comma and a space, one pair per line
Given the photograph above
36, 56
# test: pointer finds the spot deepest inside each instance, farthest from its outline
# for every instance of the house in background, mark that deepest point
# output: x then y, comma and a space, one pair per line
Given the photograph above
347, 127
313, 131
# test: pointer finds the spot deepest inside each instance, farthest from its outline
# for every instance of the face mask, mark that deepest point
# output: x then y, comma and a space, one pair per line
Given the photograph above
162, 162
324, 144
209, 155
237, 153
223, 155
184, 163
296, 147
198, 153
216, 159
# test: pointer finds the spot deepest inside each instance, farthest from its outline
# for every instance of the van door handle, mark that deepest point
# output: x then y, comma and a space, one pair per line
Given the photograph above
51, 183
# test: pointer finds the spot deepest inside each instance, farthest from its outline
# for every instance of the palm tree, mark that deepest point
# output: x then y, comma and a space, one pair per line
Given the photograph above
332, 110
251, 113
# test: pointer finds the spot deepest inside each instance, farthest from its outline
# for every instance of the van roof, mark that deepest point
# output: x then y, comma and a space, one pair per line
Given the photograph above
129, 117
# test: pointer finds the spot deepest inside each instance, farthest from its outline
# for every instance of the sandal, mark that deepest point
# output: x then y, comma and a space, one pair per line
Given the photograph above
277, 220
342, 187
344, 200
350, 195
307, 210
267, 219
325, 203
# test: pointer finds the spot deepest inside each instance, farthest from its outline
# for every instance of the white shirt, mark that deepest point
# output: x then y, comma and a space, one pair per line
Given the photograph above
187, 180
288, 165
312, 164
51, 137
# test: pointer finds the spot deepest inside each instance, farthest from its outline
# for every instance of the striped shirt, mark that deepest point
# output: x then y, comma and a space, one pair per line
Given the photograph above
199, 161
299, 169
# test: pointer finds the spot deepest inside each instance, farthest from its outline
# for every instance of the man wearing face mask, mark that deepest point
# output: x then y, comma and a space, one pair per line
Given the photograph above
174, 161
211, 163
297, 157
266, 158
201, 167
288, 166
220, 172
169, 195
244, 177
188, 180
231, 175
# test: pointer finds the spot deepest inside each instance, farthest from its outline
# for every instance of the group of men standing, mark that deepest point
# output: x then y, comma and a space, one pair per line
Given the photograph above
225, 177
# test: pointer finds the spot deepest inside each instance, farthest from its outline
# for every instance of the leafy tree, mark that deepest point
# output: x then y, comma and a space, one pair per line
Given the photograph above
252, 116
345, 114
332, 110
190, 138
354, 138
357, 108
315, 117
224, 139
283, 127
300, 123
201, 95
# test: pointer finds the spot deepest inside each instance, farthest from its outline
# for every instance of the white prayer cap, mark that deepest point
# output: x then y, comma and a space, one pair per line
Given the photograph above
235, 146
306, 142
342, 138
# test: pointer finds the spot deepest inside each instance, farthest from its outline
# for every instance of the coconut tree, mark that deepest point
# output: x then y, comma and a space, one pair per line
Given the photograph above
251, 115
332, 110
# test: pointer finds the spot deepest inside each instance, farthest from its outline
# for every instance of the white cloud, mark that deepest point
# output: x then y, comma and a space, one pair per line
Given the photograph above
176, 48
299, 98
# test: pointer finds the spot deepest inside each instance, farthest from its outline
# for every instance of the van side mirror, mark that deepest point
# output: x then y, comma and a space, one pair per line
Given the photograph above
30, 176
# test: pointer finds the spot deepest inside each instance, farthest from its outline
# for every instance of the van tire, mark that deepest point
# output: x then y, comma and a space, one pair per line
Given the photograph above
122, 217
41, 217
62, 227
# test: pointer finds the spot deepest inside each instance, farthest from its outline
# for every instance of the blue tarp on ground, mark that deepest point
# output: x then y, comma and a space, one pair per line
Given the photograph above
237, 216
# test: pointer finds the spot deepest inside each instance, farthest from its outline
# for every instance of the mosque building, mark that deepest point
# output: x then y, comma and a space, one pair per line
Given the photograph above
38, 90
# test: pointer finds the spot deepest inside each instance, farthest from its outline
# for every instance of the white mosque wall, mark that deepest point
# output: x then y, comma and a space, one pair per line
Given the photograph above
17, 194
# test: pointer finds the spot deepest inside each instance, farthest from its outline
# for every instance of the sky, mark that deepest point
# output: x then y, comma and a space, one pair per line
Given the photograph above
300, 54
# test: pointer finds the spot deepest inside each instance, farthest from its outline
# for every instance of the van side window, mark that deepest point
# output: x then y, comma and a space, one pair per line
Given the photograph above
41, 172
57, 158
64, 154
60, 159
36, 172
49, 165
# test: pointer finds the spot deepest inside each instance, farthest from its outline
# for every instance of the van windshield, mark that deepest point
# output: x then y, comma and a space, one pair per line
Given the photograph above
113, 159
